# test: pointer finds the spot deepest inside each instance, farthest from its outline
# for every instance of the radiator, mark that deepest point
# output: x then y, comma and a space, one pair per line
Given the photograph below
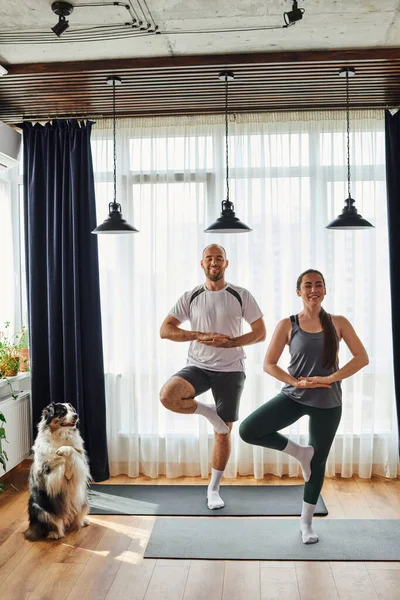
18, 428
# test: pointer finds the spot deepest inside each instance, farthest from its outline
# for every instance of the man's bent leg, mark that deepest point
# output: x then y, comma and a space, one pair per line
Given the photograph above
220, 457
178, 395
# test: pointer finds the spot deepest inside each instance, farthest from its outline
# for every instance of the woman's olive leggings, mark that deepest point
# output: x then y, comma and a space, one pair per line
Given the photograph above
261, 427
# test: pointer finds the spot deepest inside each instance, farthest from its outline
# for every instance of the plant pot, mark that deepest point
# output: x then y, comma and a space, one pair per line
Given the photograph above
24, 363
9, 367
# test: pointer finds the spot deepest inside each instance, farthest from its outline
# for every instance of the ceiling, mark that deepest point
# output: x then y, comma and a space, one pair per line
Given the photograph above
326, 25
175, 71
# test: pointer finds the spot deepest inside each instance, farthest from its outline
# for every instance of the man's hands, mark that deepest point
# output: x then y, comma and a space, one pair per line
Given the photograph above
217, 340
313, 382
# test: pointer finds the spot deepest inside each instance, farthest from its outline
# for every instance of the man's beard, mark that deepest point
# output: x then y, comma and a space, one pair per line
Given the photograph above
215, 276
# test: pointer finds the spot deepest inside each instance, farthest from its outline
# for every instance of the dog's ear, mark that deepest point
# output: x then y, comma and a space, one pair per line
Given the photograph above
48, 412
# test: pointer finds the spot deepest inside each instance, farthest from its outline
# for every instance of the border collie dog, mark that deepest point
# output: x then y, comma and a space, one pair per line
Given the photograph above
59, 476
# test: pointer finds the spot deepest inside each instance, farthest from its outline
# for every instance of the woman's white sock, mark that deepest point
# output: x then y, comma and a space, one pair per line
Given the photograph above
303, 454
307, 532
210, 412
214, 500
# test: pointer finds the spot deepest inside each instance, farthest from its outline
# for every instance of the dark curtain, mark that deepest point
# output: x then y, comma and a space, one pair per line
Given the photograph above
392, 140
63, 279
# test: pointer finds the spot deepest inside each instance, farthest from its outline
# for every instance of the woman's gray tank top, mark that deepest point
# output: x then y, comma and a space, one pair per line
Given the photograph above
306, 351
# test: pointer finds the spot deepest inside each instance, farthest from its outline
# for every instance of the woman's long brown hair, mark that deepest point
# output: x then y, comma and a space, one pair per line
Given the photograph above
331, 345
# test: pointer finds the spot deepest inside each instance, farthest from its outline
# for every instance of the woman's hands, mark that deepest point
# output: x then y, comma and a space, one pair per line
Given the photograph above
313, 382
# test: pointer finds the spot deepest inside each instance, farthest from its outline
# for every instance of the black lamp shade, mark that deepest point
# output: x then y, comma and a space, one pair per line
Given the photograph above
227, 222
114, 223
349, 219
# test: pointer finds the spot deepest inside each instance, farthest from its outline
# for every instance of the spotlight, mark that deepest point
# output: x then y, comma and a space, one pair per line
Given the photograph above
61, 26
62, 9
296, 14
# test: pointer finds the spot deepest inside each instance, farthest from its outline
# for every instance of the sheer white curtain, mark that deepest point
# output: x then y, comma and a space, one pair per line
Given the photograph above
288, 180
13, 306
8, 275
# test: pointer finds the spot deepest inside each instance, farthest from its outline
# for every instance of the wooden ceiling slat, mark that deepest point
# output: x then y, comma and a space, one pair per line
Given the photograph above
212, 77
203, 108
357, 96
185, 85
136, 84
175, 95
168, 62
147, 108
15, 118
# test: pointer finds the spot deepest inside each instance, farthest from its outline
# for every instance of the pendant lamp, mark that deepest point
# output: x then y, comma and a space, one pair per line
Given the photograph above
114, 223
349, 219
227, 222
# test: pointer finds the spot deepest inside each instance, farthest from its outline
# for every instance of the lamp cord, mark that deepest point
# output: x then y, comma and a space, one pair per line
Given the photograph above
348, 132
226, 138
114, 146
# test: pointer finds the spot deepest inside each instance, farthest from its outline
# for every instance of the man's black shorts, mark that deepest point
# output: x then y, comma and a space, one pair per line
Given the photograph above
226, 387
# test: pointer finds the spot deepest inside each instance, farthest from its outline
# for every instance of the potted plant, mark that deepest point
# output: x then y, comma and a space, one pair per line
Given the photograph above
3, 453
9, 352
11, 349
24, 364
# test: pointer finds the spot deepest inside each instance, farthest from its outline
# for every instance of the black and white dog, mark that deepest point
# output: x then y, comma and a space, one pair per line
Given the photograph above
59, 476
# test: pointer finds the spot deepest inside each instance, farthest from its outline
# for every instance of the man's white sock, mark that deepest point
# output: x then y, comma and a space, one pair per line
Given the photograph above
303, 454
307, 532
210, 412
214, 500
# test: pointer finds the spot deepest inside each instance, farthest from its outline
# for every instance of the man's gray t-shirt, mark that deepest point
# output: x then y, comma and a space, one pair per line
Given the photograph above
222, 312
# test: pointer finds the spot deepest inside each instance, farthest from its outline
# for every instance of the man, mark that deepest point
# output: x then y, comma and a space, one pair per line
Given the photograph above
216, 311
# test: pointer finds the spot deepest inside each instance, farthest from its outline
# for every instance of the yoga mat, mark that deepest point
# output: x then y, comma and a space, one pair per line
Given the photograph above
190, 500
274, 539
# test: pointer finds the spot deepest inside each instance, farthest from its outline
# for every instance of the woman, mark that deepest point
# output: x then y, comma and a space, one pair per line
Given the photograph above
312, 387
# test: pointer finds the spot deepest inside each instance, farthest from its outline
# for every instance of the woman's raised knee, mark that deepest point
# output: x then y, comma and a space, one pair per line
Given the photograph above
246, 433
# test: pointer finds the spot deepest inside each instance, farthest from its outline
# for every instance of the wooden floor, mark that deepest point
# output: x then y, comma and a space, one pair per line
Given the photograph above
105, 560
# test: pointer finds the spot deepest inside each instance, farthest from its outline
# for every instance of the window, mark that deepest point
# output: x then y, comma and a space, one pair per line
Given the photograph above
13, 303
287, 181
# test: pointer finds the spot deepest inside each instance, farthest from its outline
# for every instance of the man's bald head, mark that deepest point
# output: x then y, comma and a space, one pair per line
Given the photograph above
214, 262
215, 246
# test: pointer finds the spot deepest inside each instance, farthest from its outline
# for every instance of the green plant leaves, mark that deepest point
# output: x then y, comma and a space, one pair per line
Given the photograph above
3, 461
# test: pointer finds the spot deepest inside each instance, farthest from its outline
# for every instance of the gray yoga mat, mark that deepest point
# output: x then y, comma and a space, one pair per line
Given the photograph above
190, 500
274, 539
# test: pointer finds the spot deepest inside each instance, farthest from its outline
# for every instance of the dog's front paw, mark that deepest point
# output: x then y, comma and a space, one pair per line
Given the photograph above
55, 535
85, 522
65, 451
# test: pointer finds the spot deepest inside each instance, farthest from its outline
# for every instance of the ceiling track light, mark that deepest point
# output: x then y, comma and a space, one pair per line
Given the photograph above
227, 222
139, 19
62, 9
114, 223
296, 14
350, 218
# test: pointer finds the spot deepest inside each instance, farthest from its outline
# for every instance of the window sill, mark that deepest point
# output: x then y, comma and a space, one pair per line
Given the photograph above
19, 383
